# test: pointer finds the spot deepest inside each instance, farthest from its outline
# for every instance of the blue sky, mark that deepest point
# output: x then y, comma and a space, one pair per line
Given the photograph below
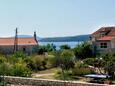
52, 18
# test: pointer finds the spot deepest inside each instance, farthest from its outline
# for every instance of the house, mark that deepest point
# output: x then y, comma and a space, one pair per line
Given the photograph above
103, 40
26, 45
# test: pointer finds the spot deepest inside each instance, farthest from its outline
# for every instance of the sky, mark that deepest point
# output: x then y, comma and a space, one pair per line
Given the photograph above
55, 18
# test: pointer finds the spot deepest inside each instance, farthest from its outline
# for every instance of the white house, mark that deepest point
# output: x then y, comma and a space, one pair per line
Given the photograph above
103, 40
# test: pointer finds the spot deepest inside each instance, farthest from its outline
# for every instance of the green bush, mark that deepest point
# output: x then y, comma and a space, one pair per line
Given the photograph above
2, 59
5, 69
44, 48
19, 54
52, 61
83, 51
62, 47
36, 63
20, 69
81, 69
67, 59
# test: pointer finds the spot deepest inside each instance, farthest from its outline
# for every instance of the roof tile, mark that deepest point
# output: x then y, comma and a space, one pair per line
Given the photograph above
21, 41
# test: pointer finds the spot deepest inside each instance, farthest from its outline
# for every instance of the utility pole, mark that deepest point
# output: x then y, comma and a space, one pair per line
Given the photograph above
16, 41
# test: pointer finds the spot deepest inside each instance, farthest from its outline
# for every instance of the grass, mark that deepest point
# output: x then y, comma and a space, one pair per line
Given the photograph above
52, 70
46, 74
55, 73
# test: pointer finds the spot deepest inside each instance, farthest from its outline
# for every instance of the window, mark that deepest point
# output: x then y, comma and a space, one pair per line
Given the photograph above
103, 45
102, 34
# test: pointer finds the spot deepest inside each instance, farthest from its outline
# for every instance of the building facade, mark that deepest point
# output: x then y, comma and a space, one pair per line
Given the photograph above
103, 40
23, 44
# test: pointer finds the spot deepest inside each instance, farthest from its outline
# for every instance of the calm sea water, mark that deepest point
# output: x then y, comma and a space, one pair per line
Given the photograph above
58, 44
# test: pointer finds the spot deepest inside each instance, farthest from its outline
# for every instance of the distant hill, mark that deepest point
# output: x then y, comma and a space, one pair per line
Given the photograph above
68, 38
59, 39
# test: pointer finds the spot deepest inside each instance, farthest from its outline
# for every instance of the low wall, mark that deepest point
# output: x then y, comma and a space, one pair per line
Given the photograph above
45, 82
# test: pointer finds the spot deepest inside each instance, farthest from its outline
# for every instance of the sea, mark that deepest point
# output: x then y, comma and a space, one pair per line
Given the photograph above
72, 44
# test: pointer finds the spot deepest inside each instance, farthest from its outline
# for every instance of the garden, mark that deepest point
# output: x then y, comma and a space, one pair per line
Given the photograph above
63, 64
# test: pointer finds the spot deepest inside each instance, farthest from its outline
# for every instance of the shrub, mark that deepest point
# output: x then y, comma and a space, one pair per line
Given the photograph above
20, 70
36, 63
19, 54
44, 48
81, 69
62, 47
67, 59
5, 69
52, 61
83, 51
67, 75
2, 59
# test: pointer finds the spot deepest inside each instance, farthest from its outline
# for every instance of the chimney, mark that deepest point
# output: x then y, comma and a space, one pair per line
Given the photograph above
35, 36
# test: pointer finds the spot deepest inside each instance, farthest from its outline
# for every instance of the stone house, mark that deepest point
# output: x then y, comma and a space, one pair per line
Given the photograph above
103, 40
24, 44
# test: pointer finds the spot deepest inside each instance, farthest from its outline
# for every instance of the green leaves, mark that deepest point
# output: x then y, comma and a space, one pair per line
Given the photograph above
62, 47
83, 51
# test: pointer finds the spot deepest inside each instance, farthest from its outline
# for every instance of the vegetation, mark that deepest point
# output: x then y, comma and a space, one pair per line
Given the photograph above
42, 49
83, 51
62, 47
81, 69
68, 63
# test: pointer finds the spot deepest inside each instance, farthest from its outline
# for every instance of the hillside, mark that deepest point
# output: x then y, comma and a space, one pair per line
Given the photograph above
68, 38
59, 39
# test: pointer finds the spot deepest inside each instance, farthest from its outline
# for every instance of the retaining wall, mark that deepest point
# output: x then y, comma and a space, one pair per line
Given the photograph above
45, 82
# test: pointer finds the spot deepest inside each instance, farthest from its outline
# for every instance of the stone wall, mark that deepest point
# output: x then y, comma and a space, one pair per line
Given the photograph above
45, 82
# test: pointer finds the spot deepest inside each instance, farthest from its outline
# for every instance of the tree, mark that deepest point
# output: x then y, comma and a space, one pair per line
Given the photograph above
67, 59
65, 47
50, 47
83, 51
109, 65
96, 63
40, 49
105, 63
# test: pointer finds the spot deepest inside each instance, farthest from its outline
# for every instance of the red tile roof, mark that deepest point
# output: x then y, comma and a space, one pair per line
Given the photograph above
106, 38
109, 30
21, 41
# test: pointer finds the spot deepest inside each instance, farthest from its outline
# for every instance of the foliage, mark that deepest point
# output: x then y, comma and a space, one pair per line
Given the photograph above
40, 49
50, 47
19, 54
81, 69
109, 64
104, 62
5, 69
2, 59
83, 51
96, 62
54, 59
67, 59
62, 47
36, 63
66, 76
20, 69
